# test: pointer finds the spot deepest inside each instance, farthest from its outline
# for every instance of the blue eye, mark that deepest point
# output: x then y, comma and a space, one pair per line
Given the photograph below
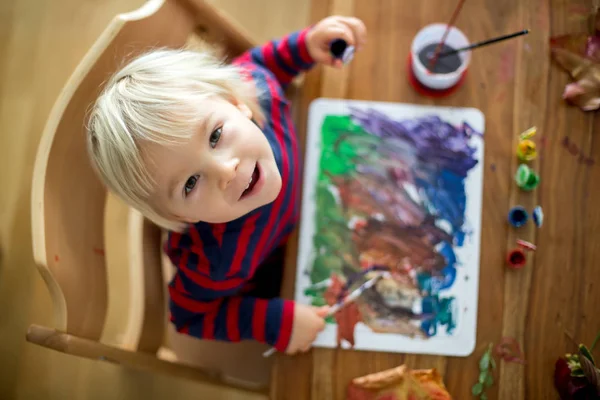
215, 137
190, 184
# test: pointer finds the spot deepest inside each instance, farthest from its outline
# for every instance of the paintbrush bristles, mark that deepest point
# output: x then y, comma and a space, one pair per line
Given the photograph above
443, 41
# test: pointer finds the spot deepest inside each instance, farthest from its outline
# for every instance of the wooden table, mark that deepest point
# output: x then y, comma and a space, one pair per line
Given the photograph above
516, 86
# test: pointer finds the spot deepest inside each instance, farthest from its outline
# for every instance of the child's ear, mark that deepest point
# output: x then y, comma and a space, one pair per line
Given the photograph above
244, 109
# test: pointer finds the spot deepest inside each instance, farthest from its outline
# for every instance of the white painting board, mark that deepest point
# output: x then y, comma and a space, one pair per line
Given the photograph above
464, 290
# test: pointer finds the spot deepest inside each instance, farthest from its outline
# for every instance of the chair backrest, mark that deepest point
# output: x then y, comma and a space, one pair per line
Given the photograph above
68, 200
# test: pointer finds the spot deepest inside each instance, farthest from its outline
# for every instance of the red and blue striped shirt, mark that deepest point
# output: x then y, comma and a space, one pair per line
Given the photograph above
214, 262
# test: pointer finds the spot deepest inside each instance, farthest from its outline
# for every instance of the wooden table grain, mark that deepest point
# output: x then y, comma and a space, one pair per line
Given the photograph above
516, 86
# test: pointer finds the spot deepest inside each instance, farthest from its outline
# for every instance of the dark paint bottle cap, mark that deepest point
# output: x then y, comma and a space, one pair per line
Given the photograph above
340, 50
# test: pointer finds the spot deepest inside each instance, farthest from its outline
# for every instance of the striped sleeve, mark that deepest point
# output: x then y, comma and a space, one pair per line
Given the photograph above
285, 57
208, 304
230, 318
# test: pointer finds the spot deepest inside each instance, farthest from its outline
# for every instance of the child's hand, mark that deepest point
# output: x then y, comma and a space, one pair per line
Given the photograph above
318, 39
308, 322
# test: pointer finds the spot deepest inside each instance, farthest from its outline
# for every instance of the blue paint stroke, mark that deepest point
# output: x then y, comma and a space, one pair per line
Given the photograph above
443, 311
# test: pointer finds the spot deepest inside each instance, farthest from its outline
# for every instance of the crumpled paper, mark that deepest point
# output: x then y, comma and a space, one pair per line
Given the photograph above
579, 55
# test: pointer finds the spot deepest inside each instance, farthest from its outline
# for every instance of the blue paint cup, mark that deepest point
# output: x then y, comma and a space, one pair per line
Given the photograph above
518, 216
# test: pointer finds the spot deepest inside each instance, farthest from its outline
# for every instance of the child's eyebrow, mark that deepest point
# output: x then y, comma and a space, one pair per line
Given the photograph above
206, 123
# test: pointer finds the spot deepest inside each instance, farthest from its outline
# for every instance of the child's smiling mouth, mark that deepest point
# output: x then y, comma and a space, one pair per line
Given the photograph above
254, 180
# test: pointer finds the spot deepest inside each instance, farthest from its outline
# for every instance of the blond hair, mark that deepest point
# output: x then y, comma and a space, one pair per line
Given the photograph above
154, 98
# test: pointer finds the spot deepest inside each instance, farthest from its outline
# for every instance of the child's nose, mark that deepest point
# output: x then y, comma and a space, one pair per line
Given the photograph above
228, 171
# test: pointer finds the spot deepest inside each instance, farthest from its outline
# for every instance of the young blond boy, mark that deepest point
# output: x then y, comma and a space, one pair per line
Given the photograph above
208, 151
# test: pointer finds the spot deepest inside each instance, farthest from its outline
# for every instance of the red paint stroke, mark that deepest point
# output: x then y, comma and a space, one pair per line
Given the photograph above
99, 251
579, 9
501, 96
509, 350
542, 17
334, 291
346, 320
506, 70
575, 151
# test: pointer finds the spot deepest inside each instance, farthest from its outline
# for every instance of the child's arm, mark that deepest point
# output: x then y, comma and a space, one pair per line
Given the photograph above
298, 52
211, 315
285, 57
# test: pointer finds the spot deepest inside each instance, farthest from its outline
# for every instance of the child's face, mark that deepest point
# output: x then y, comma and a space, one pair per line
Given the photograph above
224, 171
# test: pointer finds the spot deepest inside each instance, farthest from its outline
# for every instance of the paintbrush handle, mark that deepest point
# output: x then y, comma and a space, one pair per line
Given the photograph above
446, 32
484, 43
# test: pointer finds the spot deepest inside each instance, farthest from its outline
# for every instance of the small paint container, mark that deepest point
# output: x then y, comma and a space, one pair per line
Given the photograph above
516, 259
518, 216
526, 178
526, 148
431, 36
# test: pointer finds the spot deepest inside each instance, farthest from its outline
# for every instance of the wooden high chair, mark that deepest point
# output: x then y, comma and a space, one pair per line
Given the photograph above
69, 216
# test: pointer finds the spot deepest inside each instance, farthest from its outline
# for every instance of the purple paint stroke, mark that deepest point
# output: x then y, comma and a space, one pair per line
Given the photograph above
442, 156
435, 142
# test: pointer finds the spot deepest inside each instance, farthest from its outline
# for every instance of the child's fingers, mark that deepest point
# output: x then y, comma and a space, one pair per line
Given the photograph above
334, 32
358, 28
338, 30
322, 311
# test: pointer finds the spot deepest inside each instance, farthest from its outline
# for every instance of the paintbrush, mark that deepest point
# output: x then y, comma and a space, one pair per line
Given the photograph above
344, 302
484, 43
450, 24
